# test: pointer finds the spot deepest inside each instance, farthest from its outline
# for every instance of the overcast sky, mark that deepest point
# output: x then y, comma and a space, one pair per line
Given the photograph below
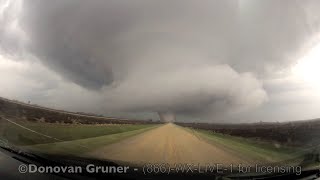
214, 61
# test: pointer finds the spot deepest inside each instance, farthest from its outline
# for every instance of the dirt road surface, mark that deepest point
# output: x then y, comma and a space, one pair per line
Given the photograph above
167, 144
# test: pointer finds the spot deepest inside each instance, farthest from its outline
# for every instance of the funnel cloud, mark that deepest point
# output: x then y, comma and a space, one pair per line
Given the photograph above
167, 116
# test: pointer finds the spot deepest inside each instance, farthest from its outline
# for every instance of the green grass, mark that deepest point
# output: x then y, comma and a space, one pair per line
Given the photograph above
258, 150
66, 132
81, 146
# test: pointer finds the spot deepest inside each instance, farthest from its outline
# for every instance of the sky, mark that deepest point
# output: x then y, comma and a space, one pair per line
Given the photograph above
221, 61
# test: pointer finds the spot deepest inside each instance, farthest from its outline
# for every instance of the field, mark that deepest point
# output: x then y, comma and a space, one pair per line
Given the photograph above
78, 139
74, 139
288, 142
34, 113
295, 134
147, 141
59, 132
260, 150
81, 146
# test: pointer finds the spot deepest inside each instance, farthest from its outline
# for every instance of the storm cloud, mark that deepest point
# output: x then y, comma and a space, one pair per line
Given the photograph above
187, 57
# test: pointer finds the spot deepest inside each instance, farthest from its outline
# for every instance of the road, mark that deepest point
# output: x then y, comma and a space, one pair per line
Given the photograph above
167, 144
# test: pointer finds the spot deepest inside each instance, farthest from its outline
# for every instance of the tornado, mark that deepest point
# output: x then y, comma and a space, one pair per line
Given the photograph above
167, 116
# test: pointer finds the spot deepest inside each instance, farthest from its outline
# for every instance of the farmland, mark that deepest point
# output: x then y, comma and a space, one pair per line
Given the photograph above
259, 150
60, 132
34, 113
295, 133
43, 129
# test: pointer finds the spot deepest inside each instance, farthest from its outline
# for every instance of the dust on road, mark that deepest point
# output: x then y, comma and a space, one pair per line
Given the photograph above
167, 144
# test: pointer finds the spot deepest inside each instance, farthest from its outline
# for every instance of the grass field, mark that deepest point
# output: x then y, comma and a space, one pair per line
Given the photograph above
81, 146
78, 139
65, 132
261, 150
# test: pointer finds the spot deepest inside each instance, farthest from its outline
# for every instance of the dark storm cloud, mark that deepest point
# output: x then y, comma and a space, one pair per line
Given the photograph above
90, 41
10, 35
182, 56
